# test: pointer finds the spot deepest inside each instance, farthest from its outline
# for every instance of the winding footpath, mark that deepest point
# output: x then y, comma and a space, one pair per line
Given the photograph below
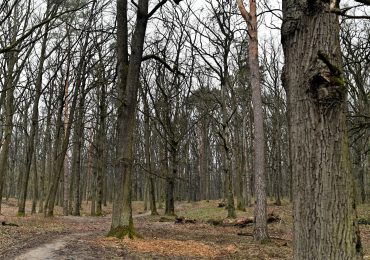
68, 246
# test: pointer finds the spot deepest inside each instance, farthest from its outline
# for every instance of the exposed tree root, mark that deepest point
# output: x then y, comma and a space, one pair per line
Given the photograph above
124, 231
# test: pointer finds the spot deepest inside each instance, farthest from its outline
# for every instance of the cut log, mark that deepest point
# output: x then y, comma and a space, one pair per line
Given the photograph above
363, 221
166, 219
272, 217
183, 220
179, 220
214, 222
3, 223
245, 234
244, 222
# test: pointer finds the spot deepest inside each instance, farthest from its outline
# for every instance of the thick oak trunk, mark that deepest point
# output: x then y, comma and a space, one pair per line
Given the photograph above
323, 191
122, 223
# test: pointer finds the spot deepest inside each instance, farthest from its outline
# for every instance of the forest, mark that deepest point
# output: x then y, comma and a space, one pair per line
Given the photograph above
185, 129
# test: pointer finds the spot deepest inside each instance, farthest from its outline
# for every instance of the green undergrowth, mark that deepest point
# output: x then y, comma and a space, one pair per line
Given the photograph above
204, 211
21, 214
363, 211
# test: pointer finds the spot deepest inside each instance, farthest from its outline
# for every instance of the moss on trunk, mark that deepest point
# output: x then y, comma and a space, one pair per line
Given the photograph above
124, 231
21, 214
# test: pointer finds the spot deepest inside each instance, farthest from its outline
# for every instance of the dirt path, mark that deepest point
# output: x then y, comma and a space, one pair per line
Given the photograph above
73, 245
50, 250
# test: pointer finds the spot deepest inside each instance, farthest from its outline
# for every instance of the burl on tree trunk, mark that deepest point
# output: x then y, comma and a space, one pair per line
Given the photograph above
324, 209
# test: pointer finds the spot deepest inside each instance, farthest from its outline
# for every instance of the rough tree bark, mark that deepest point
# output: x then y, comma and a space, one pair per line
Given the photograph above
122, 64
66, 172
225, 139
245, 160
170, 179
260, 229
122, 223
77, 150
204, 157
147, 150
46, 154
239, 166
323, 191
101, 144
8, 114
128, 84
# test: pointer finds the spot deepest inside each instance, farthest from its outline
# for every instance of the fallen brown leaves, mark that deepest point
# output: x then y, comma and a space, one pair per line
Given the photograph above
163, 240
170, 247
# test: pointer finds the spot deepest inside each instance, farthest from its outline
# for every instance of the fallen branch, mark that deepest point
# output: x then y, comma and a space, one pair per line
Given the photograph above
245, 234
3, 223
242, 222
183, 220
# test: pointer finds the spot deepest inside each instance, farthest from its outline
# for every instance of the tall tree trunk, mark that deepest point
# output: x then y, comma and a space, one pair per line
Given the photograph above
60, 151
278, 172
203, 158
229, 176
93, 173
8, 113
245, 160
46, 155
239, 167
66, 184
226, 145
170, 181
367, 172
277, 160
148, 159
76, 152
122, 222
66, 169
122, 63
260, 228
101, 146
34, 127
35, 186
324, 209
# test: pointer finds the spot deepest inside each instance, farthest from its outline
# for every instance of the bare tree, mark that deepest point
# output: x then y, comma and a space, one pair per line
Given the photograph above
122, 223
34, 118
260, 230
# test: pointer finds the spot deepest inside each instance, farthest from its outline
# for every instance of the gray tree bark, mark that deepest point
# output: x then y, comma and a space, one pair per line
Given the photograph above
260, 229
122, 222
324, 209
148, 157
8, 113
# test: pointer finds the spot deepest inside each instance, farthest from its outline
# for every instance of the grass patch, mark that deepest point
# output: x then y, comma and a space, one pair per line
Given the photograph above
203, 211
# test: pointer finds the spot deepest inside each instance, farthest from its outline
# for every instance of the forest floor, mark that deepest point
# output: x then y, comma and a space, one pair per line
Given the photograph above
69, 237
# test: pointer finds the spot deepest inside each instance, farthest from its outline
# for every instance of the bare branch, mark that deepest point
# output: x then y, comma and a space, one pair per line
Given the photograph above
365, 2
12, 46
164, 63
243, 11
343, 14
159, 5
